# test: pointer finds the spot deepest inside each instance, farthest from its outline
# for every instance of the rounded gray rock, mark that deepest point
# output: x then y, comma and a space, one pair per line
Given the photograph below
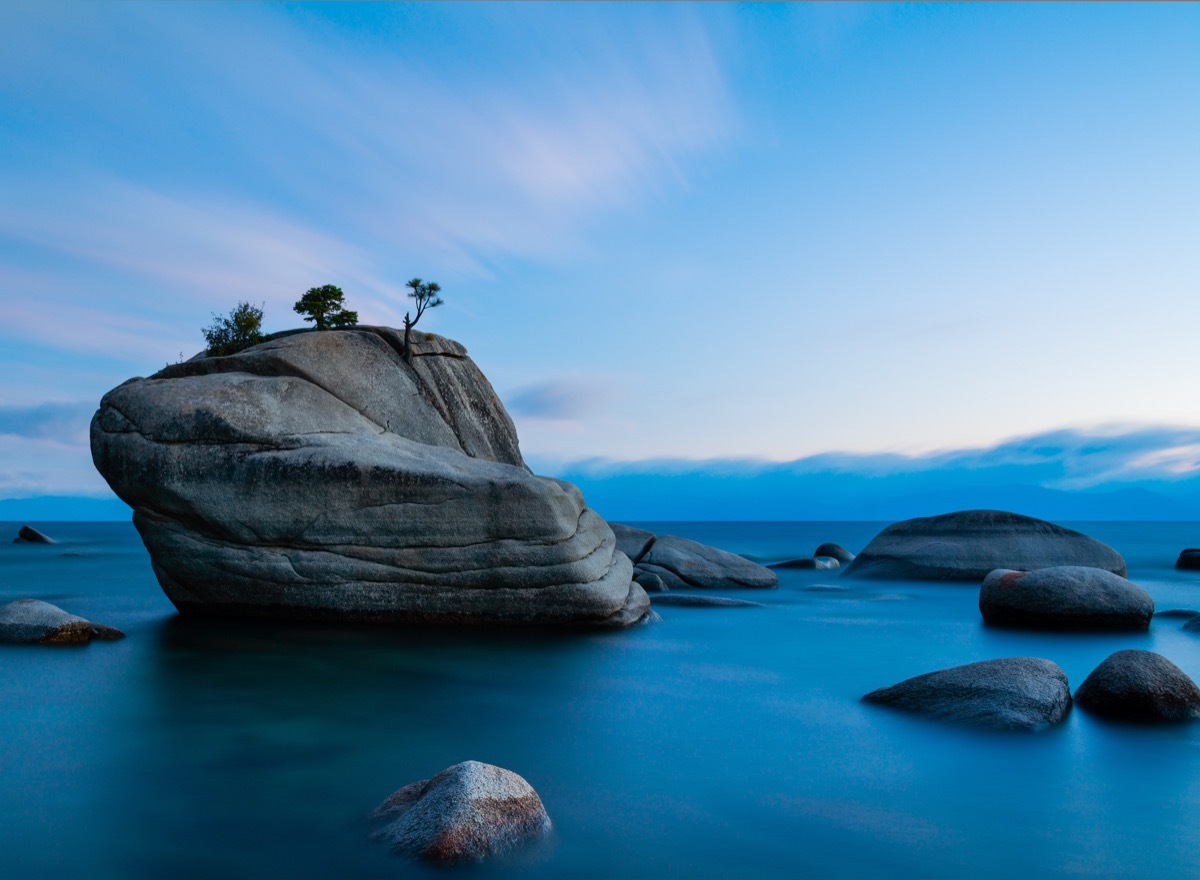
632, 541
1138, 685
648, 581
969, 544
1013, 693
30, 535
34, 622
1064, 597
837, 551
321, 475
467, 812
685, 564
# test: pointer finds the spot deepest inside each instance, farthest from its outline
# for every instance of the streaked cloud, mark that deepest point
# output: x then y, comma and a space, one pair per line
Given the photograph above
564, 400
64, 422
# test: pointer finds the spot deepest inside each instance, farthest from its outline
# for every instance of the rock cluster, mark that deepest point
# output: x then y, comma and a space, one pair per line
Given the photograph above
1064, 597
467, 812
321, 475
682, 564
969, 544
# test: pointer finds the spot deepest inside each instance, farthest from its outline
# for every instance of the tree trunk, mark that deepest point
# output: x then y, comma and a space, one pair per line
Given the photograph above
407, 344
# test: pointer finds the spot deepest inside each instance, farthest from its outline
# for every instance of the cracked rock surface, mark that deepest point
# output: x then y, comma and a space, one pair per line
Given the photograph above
320, 475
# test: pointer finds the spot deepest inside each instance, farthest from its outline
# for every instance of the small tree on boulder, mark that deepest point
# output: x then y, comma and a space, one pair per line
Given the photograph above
426, 297
324, 305
229, 334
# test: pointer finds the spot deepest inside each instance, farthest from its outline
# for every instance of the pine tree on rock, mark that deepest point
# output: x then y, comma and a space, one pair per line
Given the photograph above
426, 297
325, 306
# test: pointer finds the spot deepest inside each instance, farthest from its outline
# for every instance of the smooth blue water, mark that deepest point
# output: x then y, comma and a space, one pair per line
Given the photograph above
719, 743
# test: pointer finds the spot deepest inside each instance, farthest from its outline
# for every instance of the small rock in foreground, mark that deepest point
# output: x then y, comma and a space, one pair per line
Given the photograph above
30, 535
34, 622
1012, 693
1138, 685
1189, 559
837, 551
467, 812
1064, 597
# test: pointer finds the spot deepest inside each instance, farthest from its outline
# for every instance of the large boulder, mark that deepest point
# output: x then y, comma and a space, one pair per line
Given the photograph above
684, 564
1014, 693
34, 622
321, 475
1064, 597
467, 812
969, 544
1137, 685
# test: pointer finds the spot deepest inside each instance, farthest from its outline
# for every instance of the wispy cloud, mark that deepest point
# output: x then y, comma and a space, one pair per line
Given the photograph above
562, 400
64, 422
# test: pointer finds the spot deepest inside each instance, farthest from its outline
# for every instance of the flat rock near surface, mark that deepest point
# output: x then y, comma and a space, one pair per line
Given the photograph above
30, 535
694, 601
34, 622
467, 812
1064, 597
807, 563
321, 475
1138, 685
1013, 693
969, 544
685, 564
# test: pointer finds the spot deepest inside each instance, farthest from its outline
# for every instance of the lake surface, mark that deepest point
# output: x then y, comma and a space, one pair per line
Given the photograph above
720, 742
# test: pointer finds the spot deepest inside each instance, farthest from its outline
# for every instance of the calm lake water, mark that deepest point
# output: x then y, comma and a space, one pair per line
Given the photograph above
721, 742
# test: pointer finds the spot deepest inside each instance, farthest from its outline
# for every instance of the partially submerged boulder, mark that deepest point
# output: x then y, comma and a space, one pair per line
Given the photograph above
321, 475
969, 544
632, 541
1064, 597
467, 812
691, 600
1189, 559
837, 551
1138, 685
34, 622
684, 564
30, 535
1013, 693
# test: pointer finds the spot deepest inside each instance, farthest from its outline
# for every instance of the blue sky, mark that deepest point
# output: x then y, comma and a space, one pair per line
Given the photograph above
665, 232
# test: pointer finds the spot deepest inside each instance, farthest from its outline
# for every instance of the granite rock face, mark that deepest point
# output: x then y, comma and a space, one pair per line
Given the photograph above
320, 475
1013, 693
34, 622
1064, 597
969, 544
1139, 686
467, 812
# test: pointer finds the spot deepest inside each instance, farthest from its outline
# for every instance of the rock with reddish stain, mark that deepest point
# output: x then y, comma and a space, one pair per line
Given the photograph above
34, 622
467, 812
1064, 597
1140, 686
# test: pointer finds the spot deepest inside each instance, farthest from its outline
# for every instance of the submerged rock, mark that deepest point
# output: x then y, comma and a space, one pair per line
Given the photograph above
693, 601
649, 581
1014, 693
1064, 597
837, 551
684, 564
1189, 559
320, 475
808, 563
1137, 685
970, 544
467, 812
30, 535
34, 622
